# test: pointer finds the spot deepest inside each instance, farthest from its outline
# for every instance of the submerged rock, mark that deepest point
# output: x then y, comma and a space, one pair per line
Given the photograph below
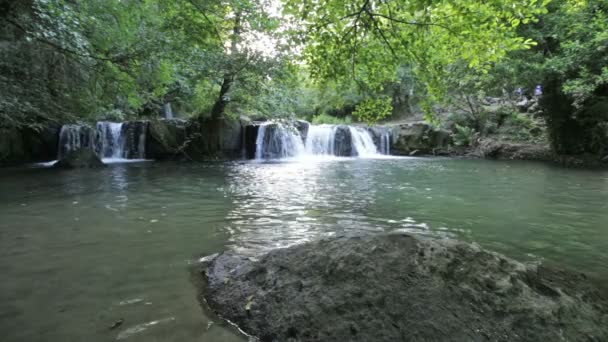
78, 159
398, 287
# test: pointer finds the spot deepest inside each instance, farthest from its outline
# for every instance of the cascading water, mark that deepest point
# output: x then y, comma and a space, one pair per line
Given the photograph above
277, 141
321, 140
109, 140
385, 143
363, 144
73, 137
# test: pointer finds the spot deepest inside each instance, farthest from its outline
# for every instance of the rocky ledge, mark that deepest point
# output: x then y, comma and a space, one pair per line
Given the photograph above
399, 287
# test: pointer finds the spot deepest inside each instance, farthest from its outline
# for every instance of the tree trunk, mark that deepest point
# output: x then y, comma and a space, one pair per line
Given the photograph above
220, 105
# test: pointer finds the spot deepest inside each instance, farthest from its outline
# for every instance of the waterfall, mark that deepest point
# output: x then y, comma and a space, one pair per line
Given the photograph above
363, 144
276, 141
109, 140
385, 143
73, 137
321, 140
167, 111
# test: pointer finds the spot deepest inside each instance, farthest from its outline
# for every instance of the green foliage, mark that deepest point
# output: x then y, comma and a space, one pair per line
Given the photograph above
331, 120
371, 110
369, 41
463, 136
116, 59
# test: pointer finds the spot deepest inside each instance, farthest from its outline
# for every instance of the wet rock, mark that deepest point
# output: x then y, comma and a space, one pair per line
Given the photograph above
420, 136
399, 287
493, 149
42, 143
165, 138
251, 135
26, 145
302, 126
135, 134
213, 139
75, 136
12, 148
79, 159
343, 142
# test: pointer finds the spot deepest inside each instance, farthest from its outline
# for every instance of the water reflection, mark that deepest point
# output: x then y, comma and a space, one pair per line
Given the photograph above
282, 204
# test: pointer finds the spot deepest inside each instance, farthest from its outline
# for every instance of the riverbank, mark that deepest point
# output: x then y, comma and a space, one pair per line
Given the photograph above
401, 287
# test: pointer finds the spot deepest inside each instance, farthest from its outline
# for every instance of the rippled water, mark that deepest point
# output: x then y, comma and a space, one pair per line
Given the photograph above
80, 250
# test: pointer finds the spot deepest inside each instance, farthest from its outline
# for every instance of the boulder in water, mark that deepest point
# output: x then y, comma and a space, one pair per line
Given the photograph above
343, 142
399, 287
79, 159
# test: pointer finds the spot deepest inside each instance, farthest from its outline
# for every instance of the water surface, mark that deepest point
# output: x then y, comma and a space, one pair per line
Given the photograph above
80, 250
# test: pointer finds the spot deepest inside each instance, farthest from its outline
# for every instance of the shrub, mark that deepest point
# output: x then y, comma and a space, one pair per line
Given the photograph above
332, 120
463, 136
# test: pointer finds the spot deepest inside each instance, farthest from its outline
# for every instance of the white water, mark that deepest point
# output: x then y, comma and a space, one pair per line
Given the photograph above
109, 140
73, 137
385, 143
113, 142
278, 141
363, 143
321, 140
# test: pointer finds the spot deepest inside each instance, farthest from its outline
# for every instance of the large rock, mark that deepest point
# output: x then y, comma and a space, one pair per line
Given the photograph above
302, 126
493, 149
75, 136
343, 142
419, 136
398, 287
25, 145
12, 147
42, 143
135, 134
79, 159
165, 138
212, 139
250, 139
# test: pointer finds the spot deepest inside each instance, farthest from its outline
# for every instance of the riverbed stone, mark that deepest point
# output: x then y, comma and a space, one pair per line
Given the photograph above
401, 287
419, 136
79, 159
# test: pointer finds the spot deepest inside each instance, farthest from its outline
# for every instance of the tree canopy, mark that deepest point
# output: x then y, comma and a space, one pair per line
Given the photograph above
69, 60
